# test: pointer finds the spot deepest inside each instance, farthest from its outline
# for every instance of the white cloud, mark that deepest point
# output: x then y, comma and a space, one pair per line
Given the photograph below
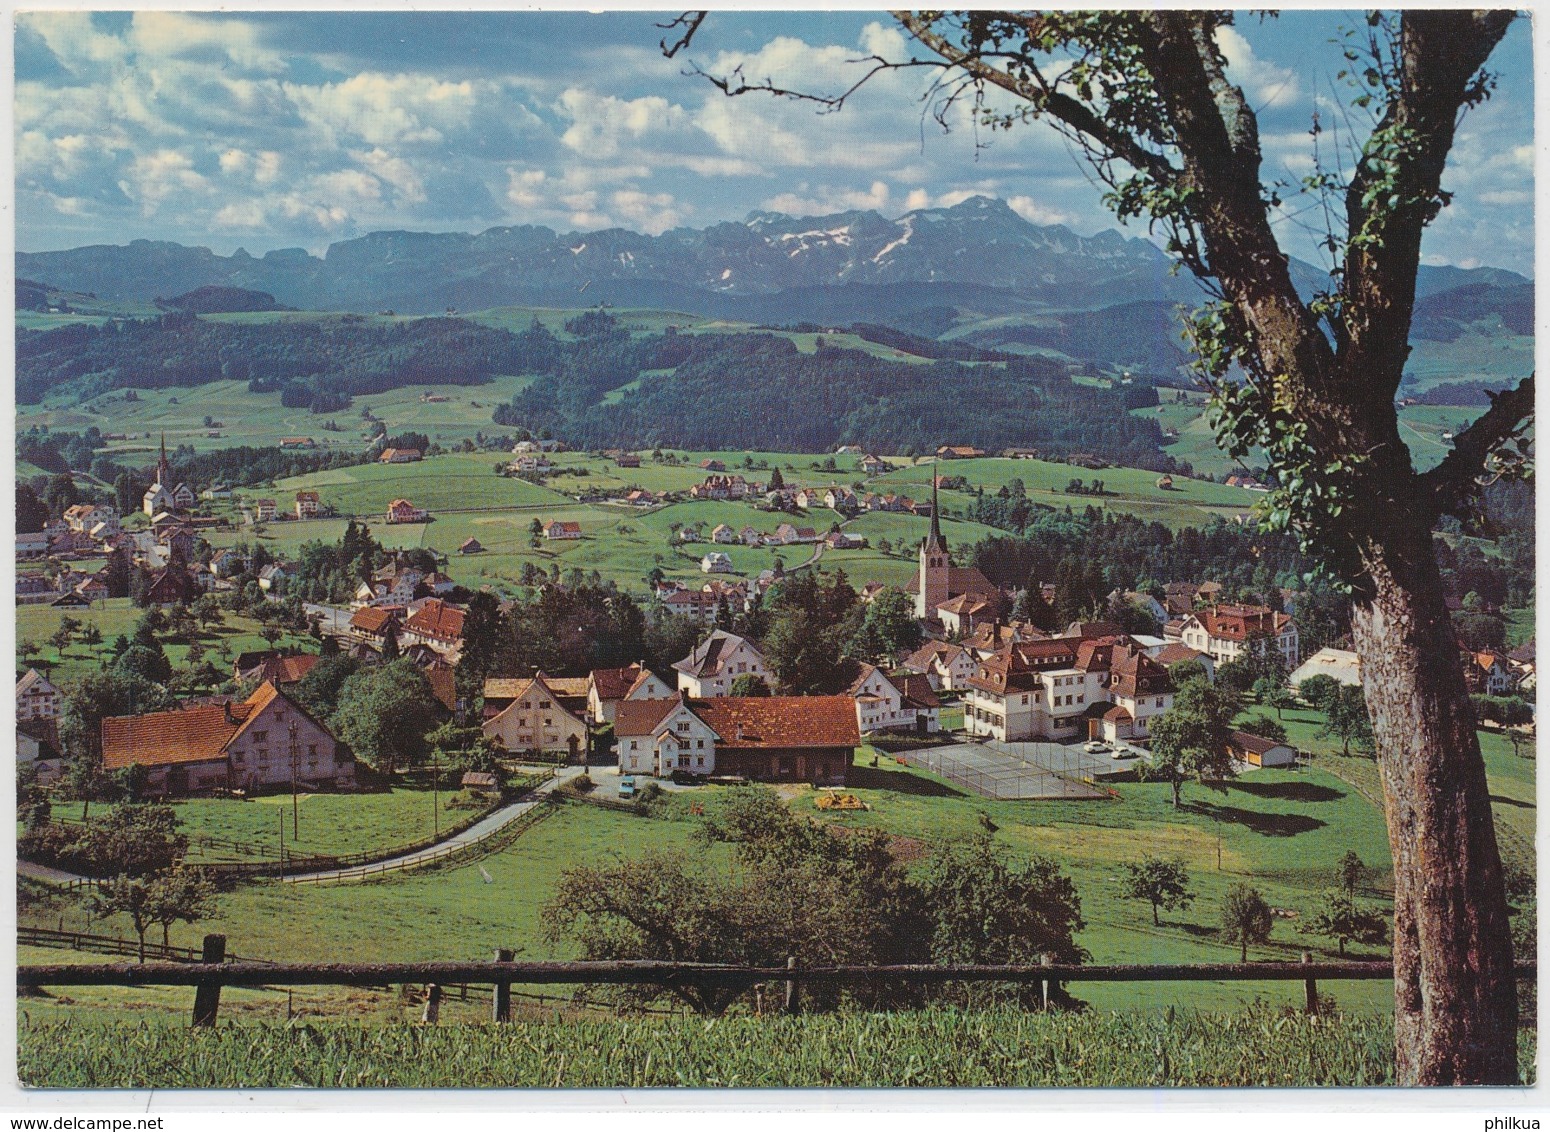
601, 123
523, 188
1037, 212
153, 177
1266, 85
395, 171
652, 213
383, 109
242, 214
172, 34
827, 200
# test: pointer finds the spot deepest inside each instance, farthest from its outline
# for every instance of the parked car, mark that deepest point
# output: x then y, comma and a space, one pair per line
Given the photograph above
627, 787
1094, 746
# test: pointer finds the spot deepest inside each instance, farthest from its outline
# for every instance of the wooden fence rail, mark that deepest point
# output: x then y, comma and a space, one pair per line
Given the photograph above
212, 974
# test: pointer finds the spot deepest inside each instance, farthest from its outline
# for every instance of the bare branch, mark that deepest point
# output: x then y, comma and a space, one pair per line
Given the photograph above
690, 22
734, 84
1451, 483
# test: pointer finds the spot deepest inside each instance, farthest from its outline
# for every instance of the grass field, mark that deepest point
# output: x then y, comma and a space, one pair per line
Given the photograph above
929, 1048
37, 623
328, 824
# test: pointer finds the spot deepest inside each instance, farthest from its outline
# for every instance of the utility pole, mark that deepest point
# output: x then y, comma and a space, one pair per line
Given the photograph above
282, 843
436, 792
295, 806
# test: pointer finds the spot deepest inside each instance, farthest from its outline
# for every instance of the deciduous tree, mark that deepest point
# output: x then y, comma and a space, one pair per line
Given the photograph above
1161, 882
1149, 100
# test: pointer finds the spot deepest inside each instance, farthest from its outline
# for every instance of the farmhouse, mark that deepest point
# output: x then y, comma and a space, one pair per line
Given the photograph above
471, 546
627, 460
297, 444
958, 452
875, 465
1229, 632
556, 529
247, 745
532, 717
402, 511
723, 533
771, 739
608, 687
37, 743
400, 456
710, 669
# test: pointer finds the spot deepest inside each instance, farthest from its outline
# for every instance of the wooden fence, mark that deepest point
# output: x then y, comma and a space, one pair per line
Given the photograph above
213, 972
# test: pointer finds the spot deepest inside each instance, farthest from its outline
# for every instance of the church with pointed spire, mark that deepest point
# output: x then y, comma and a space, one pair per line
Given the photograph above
957, 596
163, 495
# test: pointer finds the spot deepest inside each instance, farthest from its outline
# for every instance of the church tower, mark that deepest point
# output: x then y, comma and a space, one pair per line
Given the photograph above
935, 569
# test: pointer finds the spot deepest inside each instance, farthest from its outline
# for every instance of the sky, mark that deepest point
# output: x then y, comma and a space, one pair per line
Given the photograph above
300, 129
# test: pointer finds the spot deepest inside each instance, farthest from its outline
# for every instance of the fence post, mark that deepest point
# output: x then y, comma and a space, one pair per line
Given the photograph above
502, 1010
1045, 960
207, 998
432, 1005
1310, 990
791, 987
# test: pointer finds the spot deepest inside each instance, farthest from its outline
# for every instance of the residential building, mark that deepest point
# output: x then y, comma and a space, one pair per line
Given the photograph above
1487, 673
878, 701
700, 605
400, 456
1140, 689
556, 529
1231, 632
919, 699
36, 698
768, 738
532, 718
716, 563
32, 544
402, 511
261, 742
608, 687
1172, 652
171, 586
627, 460
264, 510
946, 666
278, 668
437, 625
183, 497
307, 504
272, 577
710, 669
374, 625
297, 444
37, 742
723, 533
471, 546
83, 517
958, 452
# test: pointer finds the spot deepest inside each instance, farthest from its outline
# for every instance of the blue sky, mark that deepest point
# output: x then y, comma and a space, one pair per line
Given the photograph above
265, 130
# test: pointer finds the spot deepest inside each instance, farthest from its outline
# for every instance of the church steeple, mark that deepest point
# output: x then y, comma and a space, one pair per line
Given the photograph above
936, 525
164, 469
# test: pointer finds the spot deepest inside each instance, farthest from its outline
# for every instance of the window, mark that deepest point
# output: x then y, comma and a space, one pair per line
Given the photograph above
683, 744
543, 703
1025, 699
260, 736
683, 726
699, 761
634, 745
1159, 701
700, 743
312, 750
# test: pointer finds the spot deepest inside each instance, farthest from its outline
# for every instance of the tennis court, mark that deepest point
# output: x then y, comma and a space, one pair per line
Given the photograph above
1025, 771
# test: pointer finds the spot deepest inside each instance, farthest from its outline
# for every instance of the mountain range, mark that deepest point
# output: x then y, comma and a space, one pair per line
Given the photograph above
849, 266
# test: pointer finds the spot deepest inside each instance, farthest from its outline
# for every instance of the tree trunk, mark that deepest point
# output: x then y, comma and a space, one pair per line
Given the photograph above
1455, 999
1243, 947
1178, 789
1155, 920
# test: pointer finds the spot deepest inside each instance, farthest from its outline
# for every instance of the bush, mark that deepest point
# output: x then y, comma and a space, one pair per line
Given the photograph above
581, 784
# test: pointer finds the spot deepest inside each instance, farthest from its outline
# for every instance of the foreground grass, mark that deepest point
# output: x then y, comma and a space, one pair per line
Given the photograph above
938, 1048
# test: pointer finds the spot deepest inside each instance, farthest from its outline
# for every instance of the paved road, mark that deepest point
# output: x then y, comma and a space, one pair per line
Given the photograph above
474, 833
43, 872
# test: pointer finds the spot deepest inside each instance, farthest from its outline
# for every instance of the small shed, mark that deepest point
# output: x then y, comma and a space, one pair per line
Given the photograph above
481, 780
1255, 750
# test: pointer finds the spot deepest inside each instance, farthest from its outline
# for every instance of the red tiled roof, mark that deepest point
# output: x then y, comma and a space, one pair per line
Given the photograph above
1170, 655
437, 619
371, 619
1239, 622
615, 683
190, 735
286, 669
642, 717
916, 688
781, 721
443, 682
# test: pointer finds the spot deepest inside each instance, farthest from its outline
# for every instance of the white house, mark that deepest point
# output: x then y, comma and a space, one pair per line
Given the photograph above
1255, 751
1230, 632
720, 659
657, 737
32, 544
723, 534
716, 563
607, 688
36, 698
946, 665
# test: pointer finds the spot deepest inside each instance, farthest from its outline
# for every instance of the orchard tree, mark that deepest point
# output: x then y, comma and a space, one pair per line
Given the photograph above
1161, 882
1189, 740
1246, 918
1148, 100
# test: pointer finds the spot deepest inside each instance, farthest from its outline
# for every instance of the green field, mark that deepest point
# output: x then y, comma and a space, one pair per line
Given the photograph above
37, 623
937, 1048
